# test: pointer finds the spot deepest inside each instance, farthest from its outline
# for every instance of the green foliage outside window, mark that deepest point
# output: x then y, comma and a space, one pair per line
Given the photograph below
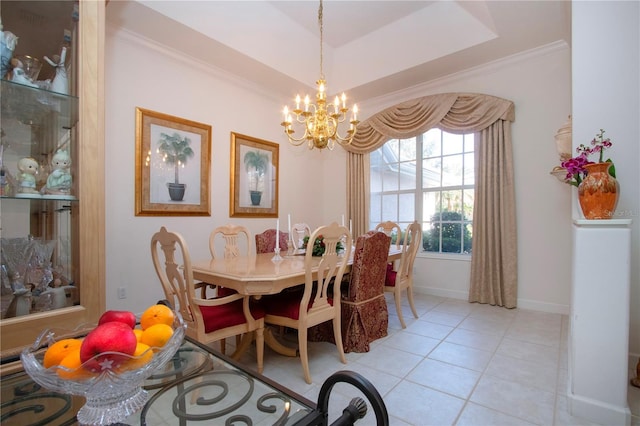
452, 229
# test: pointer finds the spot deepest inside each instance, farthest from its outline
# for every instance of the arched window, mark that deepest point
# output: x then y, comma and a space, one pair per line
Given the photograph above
494, 275
429, 178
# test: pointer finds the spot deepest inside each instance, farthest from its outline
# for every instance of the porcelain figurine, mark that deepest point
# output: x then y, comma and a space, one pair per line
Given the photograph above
60, 83
20, 77
22, 298
55, 289
27, 171
60, 180
8, 42
57, 295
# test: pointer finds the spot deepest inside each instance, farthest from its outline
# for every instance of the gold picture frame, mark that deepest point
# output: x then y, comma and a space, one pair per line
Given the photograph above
173, 157
254, 177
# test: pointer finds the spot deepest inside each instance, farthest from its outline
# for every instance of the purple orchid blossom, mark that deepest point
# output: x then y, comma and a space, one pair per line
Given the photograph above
575, 166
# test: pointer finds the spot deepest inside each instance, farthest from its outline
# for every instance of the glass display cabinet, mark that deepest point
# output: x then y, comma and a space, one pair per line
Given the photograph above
51, 167
39, 154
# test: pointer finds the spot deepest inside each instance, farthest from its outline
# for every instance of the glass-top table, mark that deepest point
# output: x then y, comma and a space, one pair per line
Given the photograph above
197, 386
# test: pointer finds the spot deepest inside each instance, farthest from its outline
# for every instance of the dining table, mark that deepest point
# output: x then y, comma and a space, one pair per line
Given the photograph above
263, 274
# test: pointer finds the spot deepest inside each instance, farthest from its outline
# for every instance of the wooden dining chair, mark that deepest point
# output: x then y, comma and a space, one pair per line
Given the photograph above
393, 230
365, 315
401, 279
266, 241
316, 304
237, 241
207, 320
298, 232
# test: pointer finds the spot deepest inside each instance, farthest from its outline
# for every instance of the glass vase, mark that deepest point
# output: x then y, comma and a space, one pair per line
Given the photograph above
598, 192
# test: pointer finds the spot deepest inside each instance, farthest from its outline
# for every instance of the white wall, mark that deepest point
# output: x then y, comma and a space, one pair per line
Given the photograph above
539, 84
139, 75
606, 94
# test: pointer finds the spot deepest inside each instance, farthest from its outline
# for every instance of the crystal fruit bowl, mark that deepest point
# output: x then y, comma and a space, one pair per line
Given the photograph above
113, 393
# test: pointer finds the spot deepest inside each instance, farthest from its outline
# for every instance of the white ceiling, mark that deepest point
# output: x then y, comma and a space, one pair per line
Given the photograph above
371, 48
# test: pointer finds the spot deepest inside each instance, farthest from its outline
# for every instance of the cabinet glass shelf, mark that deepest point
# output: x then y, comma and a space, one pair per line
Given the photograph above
46, 197
33, 105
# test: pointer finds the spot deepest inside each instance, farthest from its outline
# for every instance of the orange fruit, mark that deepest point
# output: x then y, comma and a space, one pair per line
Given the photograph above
156, 314
138, 333
141, 357
157, 335
74, 364
56, 352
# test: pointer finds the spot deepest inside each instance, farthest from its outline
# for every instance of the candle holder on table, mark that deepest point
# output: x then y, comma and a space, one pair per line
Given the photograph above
277, 256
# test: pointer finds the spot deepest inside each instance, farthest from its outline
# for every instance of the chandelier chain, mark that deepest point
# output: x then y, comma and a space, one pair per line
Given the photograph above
319, 120
321, 28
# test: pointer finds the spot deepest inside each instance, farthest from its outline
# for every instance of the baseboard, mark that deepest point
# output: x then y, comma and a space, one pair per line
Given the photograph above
598, 411
552, 308
442, 292
532, 305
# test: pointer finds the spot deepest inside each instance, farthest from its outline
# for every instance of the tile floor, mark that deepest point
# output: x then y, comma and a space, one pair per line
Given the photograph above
457, 364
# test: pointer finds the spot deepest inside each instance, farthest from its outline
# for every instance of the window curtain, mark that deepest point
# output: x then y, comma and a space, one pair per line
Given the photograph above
494, 258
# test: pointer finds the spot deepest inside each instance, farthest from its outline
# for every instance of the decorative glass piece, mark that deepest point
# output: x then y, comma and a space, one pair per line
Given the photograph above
563, 141
30, 68
114, 393
19, 254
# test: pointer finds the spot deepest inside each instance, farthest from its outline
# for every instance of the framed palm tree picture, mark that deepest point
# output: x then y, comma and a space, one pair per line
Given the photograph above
173, 158
254, 177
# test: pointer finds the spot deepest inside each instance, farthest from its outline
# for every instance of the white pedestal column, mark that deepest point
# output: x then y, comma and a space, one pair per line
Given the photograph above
599, 340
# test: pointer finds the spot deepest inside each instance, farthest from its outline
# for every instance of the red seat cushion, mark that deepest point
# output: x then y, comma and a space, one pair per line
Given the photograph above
219, 317
286, 304
390, 279
225, 291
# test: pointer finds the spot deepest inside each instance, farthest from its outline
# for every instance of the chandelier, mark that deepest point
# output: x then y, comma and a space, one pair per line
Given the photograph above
320, 120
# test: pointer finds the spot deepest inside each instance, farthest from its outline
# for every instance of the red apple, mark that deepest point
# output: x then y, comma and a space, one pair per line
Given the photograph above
112, 336
122, 316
